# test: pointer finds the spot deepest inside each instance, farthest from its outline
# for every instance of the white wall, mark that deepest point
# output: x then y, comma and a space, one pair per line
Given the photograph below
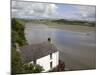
45, 61
55, 59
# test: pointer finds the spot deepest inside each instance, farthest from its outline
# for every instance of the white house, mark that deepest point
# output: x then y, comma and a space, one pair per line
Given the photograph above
45, 54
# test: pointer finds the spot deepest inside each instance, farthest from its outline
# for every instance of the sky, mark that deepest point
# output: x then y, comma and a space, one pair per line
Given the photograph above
35, 10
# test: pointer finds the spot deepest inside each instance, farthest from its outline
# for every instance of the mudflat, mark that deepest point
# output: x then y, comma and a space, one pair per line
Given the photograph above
76, 44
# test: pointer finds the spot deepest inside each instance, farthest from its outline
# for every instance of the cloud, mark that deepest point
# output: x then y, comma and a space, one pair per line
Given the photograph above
85, 12
33, 10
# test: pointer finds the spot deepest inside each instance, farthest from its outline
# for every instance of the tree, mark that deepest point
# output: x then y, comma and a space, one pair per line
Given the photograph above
19, 68
17, 65
17, 33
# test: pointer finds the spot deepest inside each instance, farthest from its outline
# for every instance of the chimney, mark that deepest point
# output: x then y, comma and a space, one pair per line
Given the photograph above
49, 40
17, 47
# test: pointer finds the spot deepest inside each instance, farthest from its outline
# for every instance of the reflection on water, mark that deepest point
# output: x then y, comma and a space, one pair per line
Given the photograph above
77, 49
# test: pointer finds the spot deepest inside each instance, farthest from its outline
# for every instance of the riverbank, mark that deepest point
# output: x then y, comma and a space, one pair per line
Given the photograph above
76, 28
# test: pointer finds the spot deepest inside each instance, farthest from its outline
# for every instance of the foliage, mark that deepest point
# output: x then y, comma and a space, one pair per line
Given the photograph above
20, 68
32, 68
60, 22
17, 33
17, 65
75, 22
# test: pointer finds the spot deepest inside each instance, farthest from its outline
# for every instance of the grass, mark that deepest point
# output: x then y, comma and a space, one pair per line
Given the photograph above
59, 22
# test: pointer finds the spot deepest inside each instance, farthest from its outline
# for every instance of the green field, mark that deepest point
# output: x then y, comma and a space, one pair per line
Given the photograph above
52, 22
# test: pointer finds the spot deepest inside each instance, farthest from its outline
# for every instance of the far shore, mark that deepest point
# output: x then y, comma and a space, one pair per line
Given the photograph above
76, 28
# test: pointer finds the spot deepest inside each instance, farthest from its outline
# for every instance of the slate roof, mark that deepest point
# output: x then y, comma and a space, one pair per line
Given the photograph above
36, 51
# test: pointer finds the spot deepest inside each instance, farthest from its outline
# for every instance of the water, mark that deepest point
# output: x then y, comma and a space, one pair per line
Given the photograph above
77, 49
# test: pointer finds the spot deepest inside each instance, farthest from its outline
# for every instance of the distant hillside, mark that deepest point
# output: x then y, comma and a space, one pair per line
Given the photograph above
76, 22
60, 21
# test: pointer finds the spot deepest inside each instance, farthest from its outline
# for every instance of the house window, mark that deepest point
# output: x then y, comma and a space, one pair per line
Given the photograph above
50, 55
51, 64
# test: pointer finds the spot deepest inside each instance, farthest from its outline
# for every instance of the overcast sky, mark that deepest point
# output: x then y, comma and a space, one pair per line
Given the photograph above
33, 10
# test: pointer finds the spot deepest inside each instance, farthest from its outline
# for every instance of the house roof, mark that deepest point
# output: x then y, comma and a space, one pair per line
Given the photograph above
36, 51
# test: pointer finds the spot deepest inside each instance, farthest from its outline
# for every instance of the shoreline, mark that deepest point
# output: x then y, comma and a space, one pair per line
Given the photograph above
75, 28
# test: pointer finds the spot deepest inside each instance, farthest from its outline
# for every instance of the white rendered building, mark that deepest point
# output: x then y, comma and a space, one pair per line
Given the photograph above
45, 54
